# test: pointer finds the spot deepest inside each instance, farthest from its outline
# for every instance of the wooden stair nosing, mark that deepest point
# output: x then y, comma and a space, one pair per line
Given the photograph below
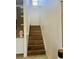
35, 42
36, 52
34, 35
32, 26
35, 47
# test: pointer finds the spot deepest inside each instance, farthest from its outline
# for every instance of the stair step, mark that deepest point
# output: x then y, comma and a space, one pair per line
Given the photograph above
35, 34
36, 52
36, 31
36, 47
34, 26
35, 42
35, 37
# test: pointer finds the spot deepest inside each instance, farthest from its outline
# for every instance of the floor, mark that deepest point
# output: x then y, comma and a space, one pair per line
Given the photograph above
32, 57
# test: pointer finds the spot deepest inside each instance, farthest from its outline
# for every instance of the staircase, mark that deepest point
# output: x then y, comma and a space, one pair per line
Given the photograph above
35, 44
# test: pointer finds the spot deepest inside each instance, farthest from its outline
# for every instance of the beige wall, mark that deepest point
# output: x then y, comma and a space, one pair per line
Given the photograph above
50, 21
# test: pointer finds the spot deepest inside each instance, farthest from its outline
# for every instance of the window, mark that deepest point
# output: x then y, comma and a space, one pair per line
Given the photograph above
39, 2
35, 2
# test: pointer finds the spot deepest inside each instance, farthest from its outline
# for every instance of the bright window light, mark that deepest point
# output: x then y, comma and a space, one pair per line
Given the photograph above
34, 0
39, 2
35, 3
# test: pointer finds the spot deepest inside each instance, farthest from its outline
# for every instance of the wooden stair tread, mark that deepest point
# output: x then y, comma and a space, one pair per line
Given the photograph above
35, 31
35, 34
36, 52
35, 42
35, 27
35, 37
35, 47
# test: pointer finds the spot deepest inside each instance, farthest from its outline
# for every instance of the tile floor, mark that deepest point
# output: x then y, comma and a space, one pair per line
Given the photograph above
32, 57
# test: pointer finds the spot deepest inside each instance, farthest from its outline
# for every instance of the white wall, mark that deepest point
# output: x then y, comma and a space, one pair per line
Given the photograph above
26, 27
49, 17
19, 45
50, 21
34, 15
